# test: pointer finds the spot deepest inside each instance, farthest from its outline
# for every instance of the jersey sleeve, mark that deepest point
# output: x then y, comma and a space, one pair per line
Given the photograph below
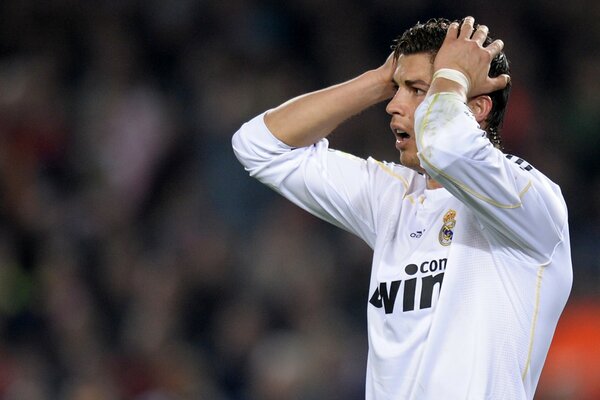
332, 185
516, 204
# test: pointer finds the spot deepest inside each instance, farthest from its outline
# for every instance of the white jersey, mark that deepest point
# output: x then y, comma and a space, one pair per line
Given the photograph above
468, 281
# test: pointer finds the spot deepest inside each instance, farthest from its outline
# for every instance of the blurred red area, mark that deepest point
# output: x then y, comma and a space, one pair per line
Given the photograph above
572, 367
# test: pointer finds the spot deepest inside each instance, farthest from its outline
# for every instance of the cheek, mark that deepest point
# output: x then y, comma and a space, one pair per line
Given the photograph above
418, 102
414, 105
412, 124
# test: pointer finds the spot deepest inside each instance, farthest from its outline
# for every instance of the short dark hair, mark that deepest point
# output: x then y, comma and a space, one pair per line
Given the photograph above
428, 38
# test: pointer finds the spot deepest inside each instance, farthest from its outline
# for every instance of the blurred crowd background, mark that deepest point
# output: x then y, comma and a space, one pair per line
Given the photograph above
137, 259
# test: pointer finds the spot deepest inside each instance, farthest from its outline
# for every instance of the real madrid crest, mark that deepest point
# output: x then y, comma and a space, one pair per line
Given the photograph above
447, 232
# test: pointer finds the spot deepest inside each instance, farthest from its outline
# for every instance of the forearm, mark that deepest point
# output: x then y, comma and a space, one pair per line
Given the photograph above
306, 119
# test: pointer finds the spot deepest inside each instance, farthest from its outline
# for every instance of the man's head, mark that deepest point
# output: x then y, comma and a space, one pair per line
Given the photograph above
427, 38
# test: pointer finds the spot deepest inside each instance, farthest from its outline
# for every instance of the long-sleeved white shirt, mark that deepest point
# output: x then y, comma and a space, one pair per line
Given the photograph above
467, 281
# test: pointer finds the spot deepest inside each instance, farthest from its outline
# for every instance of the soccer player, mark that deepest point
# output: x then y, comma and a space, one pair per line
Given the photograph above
471, 267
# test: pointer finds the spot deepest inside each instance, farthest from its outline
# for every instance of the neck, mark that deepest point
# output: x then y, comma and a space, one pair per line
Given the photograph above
431, 184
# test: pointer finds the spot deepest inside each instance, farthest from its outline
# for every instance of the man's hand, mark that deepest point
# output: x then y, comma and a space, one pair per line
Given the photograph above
385, 74
463, 51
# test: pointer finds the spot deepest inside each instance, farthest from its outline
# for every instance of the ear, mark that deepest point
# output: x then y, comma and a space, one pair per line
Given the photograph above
481, 106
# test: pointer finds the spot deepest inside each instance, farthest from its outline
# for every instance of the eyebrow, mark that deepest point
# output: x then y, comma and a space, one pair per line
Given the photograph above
410, 82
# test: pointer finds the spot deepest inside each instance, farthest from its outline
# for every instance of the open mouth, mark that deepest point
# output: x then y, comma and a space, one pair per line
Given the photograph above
401, 135
402, 138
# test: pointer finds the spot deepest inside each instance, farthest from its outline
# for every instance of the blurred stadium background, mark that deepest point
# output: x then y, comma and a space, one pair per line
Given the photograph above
137, 259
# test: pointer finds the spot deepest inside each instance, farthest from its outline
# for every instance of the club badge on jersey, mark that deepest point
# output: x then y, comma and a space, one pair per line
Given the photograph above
446, 232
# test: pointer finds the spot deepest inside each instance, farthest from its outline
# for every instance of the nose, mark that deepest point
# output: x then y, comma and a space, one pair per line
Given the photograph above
396, 105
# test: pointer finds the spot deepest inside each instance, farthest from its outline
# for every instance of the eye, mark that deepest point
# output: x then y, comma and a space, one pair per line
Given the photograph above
418, 91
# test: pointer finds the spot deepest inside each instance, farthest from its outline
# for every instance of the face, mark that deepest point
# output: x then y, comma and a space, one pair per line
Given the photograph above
413, 77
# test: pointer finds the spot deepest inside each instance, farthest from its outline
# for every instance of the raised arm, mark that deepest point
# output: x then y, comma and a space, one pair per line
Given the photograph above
454, 150
285, 150
306, 119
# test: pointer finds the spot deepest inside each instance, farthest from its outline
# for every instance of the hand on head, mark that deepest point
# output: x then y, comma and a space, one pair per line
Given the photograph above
463, 50
386, 74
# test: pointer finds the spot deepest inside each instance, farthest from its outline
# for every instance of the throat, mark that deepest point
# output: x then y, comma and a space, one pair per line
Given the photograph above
431, 184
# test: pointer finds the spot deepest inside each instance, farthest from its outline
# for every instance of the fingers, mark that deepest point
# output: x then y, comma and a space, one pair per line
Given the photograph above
480, 34
499, 82
495, 47
466, 29
453, 30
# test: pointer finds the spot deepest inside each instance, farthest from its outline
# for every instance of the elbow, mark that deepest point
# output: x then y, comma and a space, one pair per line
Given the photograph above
239, 150
259, 153
249, 152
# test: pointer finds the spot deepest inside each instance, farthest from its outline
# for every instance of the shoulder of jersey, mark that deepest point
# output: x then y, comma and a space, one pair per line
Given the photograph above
524, 165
